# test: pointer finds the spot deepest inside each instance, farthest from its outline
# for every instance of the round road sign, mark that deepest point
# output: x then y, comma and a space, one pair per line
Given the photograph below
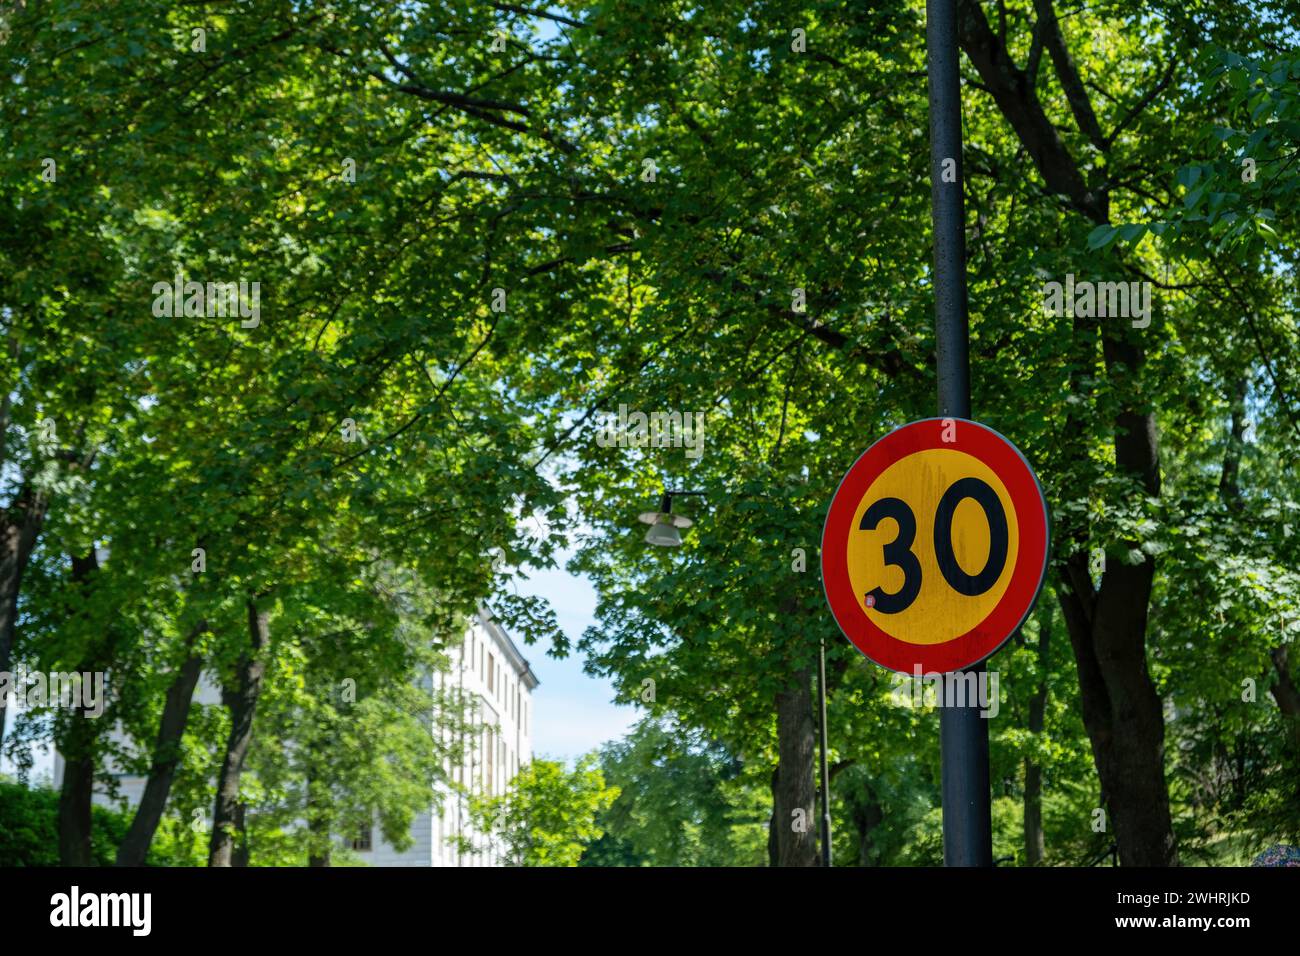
935, 546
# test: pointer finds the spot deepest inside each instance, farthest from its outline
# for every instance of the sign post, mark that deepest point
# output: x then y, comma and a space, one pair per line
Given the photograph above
963, 736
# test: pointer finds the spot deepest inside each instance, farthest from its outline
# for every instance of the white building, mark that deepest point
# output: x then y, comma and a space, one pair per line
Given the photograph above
496, 680
488, 668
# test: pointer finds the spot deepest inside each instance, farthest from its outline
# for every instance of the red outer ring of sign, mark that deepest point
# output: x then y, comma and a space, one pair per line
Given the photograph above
990, 634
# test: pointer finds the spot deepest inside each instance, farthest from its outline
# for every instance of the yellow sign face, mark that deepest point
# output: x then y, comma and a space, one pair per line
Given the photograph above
937, 613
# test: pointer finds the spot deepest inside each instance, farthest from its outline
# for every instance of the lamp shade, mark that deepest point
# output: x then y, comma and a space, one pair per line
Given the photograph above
663, 533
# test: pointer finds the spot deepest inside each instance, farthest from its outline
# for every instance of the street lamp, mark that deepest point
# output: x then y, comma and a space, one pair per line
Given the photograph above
663, 531
664, 524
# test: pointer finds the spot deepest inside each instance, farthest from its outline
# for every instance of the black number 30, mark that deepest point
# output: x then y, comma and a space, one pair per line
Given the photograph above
898, 553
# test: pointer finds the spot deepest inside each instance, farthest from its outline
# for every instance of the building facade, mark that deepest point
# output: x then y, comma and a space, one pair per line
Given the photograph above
490, 673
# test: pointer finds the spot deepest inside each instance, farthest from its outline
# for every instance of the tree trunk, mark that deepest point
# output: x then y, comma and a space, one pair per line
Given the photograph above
794, 797
1286, 693
318, 810
1121, 710
1035, 846
75, 797
240, 699
319, 858
1034, 843
166, 756
20, 526
78, 743
242, 852
773, 856
867, 815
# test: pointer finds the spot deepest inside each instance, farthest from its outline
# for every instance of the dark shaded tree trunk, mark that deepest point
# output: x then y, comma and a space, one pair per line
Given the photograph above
867, 815
773, 855
166, 756
240, 698
318, 815
242, 851
1035, 846
79, 743
321, 855
20, 526
796, 832
75, 799
1122, 712
1286, 693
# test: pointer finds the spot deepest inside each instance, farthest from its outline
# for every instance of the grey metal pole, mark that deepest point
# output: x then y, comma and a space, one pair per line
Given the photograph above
826, 780
963, 735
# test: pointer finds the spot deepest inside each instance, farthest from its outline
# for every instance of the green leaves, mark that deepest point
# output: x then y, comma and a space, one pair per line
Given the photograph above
777, 170
549, 815
1103, 237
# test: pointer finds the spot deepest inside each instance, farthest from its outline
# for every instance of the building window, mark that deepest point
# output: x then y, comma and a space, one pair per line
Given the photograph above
488, 768
491, 669
362, 841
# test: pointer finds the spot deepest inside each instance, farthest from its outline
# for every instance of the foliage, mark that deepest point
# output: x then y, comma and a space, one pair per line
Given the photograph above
549, 814
461, 252
682, 801
29, 830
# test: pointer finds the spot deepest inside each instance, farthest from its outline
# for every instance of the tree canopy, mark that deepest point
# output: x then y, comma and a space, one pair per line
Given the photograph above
458, 239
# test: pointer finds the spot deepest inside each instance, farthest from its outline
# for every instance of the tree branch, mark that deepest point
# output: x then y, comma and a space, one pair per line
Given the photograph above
1066, 72
544, 14
1143, 103
1014, 95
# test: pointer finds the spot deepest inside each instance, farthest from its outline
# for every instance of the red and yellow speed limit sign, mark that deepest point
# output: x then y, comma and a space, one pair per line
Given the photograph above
935, 546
